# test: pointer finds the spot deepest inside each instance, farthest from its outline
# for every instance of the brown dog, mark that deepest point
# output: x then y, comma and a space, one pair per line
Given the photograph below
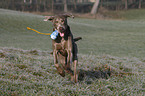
64, 46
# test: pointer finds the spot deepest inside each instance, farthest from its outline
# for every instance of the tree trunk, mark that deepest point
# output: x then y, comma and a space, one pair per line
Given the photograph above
95, 7
139, 6
126, 4
52, 6
37, 5
30, 1
23, 5
75, 4
101, 5
65, 5
13, 4
44, 3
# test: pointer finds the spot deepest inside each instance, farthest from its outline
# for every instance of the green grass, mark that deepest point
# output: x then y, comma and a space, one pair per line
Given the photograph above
135, 14
111, 57
117, 38
32, 72
131, 14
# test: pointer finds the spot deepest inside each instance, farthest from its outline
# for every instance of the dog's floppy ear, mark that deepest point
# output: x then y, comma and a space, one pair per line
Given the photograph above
50, 18
68, 15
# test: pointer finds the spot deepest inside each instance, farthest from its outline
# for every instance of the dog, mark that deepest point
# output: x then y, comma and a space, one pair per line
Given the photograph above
64, 46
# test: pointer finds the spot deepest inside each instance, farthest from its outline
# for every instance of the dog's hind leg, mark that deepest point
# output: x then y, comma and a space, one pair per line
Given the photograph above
75, 62
75, 71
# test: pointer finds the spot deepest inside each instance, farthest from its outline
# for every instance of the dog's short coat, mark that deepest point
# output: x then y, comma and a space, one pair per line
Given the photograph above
64, 46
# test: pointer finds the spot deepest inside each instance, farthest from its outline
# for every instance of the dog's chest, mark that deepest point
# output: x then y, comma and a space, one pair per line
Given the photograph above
61, 45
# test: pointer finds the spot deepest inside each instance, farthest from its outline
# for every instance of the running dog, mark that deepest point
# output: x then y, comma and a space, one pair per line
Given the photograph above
64, 46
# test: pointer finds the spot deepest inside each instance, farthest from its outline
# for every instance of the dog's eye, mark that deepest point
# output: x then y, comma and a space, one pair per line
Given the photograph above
56, 21
62, 20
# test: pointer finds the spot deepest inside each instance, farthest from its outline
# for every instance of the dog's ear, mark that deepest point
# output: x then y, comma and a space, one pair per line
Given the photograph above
50, 18
68, 15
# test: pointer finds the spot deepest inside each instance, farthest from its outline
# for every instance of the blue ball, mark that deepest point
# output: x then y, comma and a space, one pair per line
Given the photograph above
54, 35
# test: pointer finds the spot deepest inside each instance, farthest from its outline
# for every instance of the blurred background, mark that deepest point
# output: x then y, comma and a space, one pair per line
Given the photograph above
74, 6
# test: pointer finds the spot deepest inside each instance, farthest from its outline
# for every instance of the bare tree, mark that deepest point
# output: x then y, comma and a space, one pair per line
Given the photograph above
52, 4
30, 1
23, 5
65, 5
75, 4
139, 6
126, 4
95, 7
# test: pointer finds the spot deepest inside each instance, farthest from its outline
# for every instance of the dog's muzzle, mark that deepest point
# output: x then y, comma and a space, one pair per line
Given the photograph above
61, 31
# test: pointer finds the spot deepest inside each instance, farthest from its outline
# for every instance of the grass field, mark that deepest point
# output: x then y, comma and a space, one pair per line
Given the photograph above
111, 56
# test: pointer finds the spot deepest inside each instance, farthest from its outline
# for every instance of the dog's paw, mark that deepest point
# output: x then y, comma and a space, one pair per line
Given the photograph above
62, 73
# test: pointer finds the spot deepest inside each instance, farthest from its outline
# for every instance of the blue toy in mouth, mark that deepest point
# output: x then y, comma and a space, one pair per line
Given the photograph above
54, 35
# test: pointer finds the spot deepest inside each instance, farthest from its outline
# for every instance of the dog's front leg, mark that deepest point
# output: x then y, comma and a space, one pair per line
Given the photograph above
69, 59
59, 68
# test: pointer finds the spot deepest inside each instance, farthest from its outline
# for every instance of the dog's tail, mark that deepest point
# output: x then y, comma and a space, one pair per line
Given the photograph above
77, 39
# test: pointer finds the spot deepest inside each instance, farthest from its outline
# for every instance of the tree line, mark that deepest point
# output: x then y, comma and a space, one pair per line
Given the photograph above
78, 6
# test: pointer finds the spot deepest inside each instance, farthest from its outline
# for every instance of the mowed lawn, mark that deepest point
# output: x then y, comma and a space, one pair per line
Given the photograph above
111, 56
117, 38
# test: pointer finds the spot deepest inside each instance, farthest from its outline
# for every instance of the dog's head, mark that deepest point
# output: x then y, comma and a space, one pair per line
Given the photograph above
59, 22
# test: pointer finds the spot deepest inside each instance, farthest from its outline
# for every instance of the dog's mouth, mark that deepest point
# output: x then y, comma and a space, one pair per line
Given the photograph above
61, 31
61, 34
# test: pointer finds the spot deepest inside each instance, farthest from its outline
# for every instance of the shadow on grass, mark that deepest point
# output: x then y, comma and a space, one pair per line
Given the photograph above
96, 73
